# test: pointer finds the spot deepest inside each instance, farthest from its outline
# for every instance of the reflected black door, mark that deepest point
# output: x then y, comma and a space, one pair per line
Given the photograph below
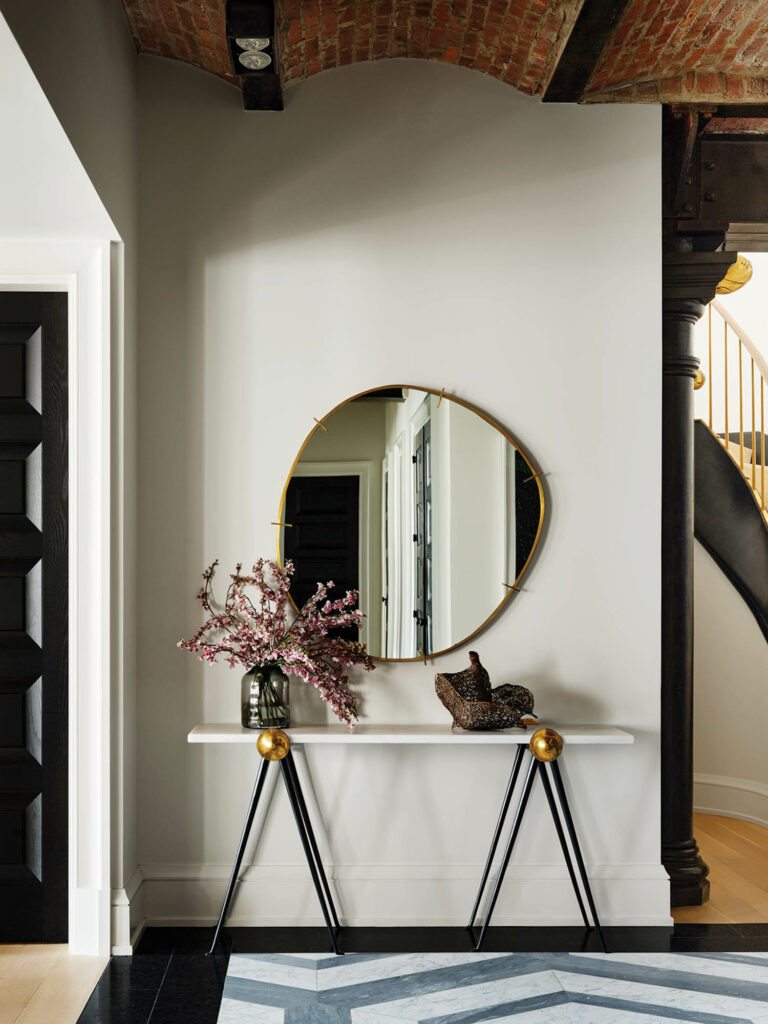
527, 513
422, 489
324, 539
33, 617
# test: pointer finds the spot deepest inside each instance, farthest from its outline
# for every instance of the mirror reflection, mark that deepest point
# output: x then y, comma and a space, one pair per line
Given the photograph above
420, 503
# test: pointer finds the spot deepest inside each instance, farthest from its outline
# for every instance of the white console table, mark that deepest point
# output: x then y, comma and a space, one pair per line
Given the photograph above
423, 735
416, 734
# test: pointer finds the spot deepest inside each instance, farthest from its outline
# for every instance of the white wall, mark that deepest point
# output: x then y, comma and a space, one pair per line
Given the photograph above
401, 220
730, 756
69, 171
84, 59
45, 190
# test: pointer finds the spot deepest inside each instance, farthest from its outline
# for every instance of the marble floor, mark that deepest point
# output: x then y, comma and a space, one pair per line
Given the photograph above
469, 988
170, 980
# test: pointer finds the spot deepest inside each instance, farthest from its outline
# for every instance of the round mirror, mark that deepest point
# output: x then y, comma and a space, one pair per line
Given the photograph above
422, 504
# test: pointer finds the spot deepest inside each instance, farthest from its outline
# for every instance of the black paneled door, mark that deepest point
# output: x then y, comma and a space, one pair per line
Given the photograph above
33, 617
422, 539
323, 540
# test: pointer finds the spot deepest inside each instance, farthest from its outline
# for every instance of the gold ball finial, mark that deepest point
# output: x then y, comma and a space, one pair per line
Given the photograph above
699, 380
546, 745
273, 744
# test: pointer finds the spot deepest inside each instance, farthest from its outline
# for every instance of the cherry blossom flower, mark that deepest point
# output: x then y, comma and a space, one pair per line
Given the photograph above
255, 630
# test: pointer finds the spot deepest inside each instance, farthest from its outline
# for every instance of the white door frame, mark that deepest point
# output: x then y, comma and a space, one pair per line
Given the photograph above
83, 271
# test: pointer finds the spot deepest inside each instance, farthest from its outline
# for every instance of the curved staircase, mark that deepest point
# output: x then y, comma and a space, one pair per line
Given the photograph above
731, 481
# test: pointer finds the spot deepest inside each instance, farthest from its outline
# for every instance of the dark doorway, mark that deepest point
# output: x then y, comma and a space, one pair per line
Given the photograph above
422, 538
323, 540
33, 617
527, 514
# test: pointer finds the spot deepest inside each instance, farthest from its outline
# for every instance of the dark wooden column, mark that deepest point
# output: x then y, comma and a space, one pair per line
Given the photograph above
689, 282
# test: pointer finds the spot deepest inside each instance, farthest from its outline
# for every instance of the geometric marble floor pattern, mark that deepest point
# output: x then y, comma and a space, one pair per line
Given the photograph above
470, 988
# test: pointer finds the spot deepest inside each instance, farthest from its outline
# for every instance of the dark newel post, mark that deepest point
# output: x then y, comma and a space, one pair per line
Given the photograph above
689, 282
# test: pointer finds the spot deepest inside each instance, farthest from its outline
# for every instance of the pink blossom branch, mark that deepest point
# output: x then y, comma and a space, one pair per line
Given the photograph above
259, 633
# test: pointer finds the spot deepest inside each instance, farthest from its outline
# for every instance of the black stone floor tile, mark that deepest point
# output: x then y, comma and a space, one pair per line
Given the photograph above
711, 937
276, 940
145, 971
448, 940
157, 940
198, 940
752, 930
725, 931
716, 944
191, 991
109, 1005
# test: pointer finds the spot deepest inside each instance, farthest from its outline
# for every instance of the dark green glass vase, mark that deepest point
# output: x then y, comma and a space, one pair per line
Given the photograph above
265, 698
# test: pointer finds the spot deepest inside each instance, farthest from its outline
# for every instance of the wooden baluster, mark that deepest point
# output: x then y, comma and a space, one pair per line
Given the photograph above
709, 364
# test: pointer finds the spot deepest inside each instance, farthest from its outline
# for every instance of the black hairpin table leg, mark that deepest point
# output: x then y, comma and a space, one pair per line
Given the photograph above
546, 746
499, 826
257, 788
527, 785
274, 745
293, 771
563, 842
310, 848
576, 849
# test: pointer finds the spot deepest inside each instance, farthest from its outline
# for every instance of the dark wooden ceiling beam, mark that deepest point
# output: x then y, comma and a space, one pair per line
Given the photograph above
262, 89
593, 28
716, 190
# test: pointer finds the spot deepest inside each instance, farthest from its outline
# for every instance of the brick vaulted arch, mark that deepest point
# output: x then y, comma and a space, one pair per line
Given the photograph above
690, 51
517, 41
694, 50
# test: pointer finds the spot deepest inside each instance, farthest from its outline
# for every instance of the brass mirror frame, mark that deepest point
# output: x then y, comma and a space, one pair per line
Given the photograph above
443, 396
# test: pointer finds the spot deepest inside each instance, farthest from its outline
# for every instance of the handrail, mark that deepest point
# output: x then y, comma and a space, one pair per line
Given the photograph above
756, 361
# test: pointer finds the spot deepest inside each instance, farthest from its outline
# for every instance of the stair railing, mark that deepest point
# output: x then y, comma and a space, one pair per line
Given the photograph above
736, 366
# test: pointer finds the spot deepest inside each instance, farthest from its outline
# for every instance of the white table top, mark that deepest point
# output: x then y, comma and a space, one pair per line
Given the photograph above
226, 732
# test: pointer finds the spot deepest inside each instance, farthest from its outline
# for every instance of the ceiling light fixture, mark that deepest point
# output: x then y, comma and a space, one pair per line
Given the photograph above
255, 60
258, 43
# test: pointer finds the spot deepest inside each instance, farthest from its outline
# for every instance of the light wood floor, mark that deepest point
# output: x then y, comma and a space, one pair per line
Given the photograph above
44, 984
737, 854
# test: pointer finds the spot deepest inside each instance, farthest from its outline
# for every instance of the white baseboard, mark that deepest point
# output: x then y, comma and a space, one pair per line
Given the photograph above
127, 915
397, 895
731, 798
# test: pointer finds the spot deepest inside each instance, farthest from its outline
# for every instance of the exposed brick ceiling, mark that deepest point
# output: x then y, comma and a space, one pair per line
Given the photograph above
661, 50
686, 50
516, 41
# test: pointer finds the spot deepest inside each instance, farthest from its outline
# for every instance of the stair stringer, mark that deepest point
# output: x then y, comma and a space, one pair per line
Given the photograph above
729, 523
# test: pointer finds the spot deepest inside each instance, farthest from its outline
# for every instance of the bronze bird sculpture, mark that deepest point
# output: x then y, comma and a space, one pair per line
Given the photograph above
475, 704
